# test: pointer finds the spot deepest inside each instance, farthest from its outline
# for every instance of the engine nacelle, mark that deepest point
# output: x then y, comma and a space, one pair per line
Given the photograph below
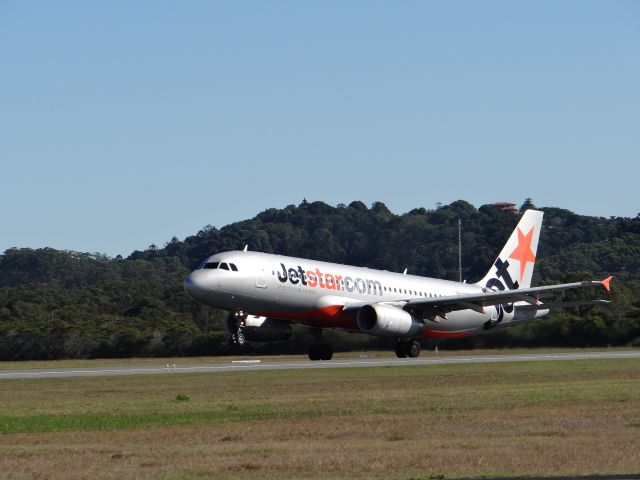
263, 329
387, 321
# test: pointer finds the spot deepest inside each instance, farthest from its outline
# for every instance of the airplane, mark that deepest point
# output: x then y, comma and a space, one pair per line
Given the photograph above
267, 293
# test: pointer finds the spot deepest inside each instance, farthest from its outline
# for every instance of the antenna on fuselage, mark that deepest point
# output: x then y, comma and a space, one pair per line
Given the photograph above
405, 271
246, 247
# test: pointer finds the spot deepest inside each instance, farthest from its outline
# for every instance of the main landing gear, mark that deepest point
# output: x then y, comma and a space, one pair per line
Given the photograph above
320, 351
407, 348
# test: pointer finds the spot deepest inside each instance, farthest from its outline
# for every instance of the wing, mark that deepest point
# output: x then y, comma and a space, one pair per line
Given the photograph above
477, 301
531, 296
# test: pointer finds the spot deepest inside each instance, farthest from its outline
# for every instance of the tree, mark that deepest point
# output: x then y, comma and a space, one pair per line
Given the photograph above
528, 203
61, 304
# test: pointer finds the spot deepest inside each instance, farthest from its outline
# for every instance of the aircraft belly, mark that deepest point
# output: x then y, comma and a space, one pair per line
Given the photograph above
323, 311
464, 323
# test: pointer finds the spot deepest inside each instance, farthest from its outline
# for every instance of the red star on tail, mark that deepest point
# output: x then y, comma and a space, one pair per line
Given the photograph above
523, 252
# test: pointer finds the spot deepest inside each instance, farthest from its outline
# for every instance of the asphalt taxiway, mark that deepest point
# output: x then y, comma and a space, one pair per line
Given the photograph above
255, 364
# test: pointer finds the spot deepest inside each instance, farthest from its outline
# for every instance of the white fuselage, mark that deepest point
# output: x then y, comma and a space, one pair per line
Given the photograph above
315, 293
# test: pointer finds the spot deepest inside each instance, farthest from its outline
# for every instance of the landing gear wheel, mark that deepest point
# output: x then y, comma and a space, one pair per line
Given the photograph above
410, 348
320, 351
240, 340
314, 352
413, 349
401, 350
326, 352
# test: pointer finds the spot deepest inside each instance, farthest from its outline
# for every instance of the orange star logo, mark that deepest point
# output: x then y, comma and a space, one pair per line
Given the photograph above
523, 252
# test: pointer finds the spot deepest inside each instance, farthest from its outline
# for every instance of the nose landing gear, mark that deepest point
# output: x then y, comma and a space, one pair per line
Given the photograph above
236, 323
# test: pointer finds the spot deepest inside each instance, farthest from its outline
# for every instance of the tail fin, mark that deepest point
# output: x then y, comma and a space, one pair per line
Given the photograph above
514, 266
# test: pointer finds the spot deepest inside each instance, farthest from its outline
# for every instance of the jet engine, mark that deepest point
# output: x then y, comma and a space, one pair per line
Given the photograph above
262, 329
387, 321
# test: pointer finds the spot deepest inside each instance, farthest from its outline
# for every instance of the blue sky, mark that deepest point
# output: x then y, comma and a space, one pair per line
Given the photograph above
124, 123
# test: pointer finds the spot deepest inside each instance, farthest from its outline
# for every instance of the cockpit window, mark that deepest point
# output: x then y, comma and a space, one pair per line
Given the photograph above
221, 265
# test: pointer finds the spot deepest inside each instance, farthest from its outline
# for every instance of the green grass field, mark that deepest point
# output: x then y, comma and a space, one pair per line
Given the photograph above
533, 418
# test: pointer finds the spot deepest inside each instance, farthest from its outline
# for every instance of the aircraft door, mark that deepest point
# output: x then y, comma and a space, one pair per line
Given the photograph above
261, 278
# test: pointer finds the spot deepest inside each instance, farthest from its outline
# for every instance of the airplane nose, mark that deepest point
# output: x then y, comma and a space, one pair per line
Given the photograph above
195, 285
188, 284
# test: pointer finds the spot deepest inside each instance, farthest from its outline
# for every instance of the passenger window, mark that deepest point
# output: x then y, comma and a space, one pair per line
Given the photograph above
211, 266
224, 266
233, 267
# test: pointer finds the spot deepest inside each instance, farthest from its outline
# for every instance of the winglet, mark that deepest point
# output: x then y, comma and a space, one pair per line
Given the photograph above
606, 283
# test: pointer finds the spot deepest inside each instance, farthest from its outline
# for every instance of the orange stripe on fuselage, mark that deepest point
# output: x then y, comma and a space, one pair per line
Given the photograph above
330, 316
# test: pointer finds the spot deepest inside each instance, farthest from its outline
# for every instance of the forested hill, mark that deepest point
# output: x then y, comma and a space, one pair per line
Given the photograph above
59, 304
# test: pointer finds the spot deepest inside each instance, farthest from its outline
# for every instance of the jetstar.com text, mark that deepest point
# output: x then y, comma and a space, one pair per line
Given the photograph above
329, 281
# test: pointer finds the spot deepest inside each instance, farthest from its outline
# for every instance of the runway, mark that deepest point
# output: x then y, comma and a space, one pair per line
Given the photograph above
258, 365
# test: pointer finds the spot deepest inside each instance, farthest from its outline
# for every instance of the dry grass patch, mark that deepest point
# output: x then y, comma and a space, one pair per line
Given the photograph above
396, 422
